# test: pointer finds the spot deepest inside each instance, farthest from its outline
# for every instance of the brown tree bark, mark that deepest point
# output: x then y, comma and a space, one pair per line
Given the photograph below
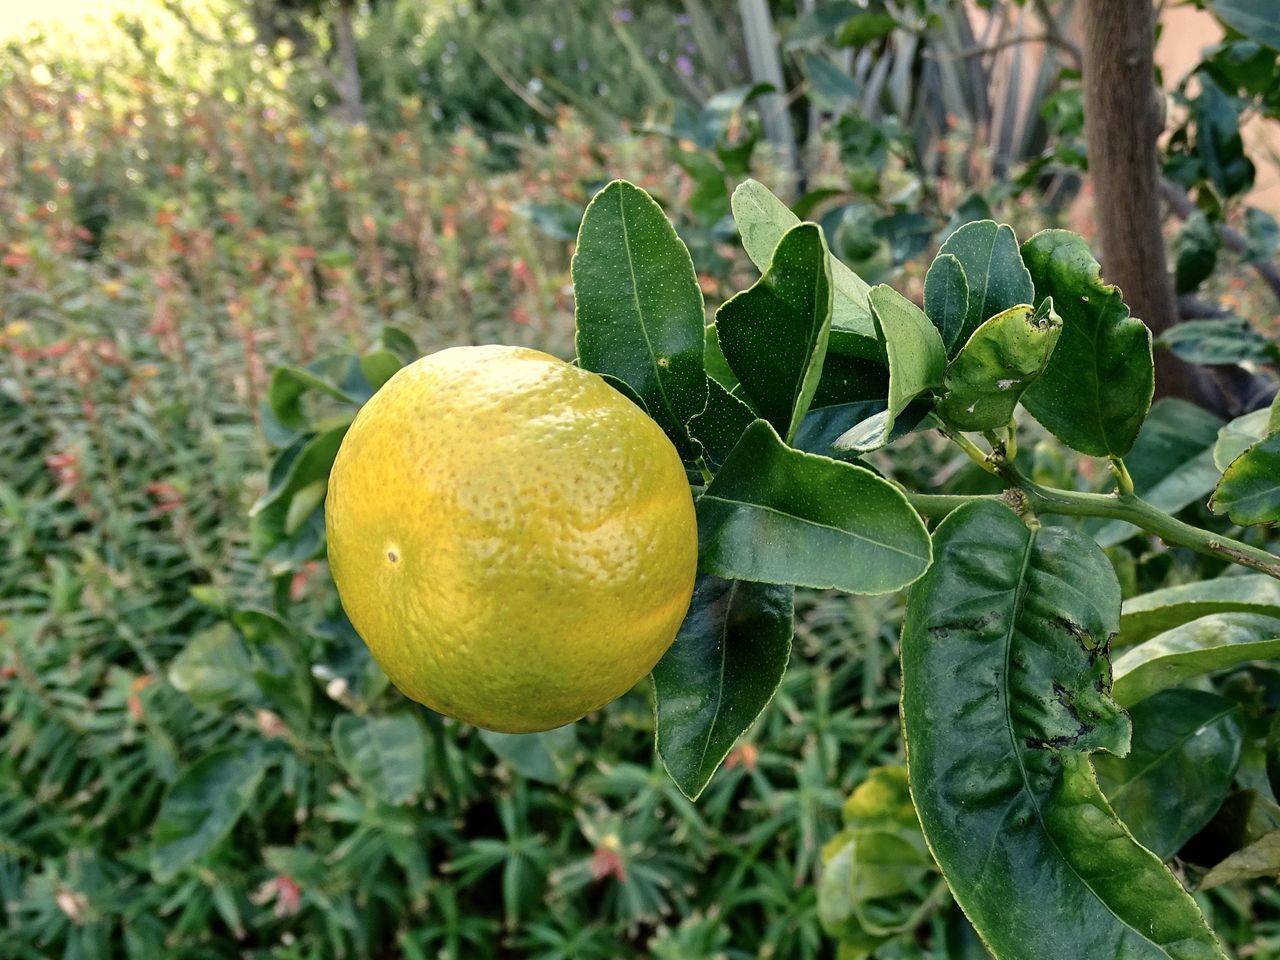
350, 95
1123, 118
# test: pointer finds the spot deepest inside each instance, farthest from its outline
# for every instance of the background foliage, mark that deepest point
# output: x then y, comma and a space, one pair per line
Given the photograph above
197, 758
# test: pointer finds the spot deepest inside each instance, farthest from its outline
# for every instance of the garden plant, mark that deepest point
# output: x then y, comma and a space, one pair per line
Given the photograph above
937, 624
1019, 664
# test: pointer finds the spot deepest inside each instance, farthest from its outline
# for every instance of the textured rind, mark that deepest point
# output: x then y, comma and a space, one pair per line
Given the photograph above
514, 540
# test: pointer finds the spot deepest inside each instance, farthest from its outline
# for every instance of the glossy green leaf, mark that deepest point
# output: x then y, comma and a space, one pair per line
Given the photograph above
386, 756
1004, 695
1249, 491
277, 525
1185, 750
638, 306
720, 673
776, 515
1238, 436
1222, 340
1002, 358
1149, 614
290, 384
1097, 388
719, 427
1215, 642
200, 808
213, 668
547, 757
917, 359
762, 219
1219, 145
869, 433
714, 360
1195, 252
996, 278
832, 88
774, 334
946, 298
1171, 463
1259, 859
1256, 19
399, 343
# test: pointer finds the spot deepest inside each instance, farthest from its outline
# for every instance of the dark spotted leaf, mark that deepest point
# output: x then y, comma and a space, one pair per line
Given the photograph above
1004, 696
1096, 390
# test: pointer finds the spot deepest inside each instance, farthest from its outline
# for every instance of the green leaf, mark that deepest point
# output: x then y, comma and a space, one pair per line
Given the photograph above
917, 359
638, 307
1202, 646
399, 343
714, 360
290, 384
719, 427
298, 472
831, 88
1149, 614
1195, 252
1256, 19
1218, 142
1002, 358
1097, 389
1171, 464
547, 757
774, 334
762, 219
1238, 436
1222, 340
866, 27
281, 668
379, 366
385, 756
1004, 680
1249, 491
720, 673
946, 298
776, 515
213, 668
996, 278
1260, 859
869, 434
201, 806
1185, 750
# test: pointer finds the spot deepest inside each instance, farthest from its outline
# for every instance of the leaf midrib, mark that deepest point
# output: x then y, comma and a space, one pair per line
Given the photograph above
640, 314
812, 523
724, 655
1020, 593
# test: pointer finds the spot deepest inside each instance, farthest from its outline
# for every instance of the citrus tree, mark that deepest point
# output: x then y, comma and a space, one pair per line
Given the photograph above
1058, 750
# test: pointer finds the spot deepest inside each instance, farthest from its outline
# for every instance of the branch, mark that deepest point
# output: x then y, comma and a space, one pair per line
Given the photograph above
532, 102
1024, 493
1182, 208
1050, 39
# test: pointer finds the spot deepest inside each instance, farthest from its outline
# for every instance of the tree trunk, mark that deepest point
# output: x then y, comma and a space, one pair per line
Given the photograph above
349, 92
1122, 117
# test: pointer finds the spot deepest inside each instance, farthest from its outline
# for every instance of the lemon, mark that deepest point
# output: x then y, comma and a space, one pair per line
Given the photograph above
513, 539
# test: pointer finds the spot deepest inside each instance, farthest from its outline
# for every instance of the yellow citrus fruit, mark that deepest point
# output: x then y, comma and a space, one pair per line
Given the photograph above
514, 539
